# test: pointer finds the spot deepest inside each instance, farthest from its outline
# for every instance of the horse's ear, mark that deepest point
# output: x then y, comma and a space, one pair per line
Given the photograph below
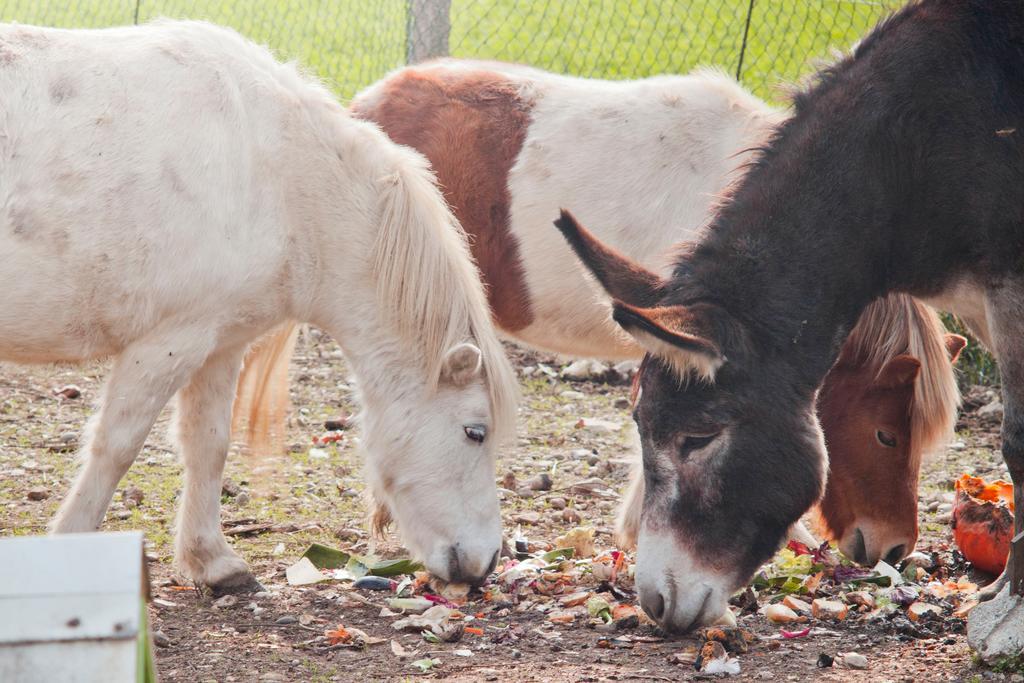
901, 371
672, 333
462, 364
621, 277
954, 345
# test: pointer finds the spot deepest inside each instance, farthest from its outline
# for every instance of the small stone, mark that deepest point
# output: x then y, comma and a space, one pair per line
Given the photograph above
685, 657
160, 639
68, 438
225, 601
37, 494
542, 482
995, 409
829, 609
509, 481
585, 369
780, 614
229, 488
242, 498
338, 425
622, 403
133, 496
69, 392
855, 660
597, 426
530, 518
558, 503
570, 516
627, 368
573, 395
285, 620
581, 453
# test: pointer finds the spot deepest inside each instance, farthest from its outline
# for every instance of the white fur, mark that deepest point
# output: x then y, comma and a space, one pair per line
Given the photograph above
639, 163
170, 192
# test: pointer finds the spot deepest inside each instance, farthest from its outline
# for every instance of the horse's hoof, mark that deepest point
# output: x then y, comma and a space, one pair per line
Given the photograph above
992, 590
242, 582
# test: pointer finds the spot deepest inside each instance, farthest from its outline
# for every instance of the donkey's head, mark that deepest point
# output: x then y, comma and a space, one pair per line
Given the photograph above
726, 472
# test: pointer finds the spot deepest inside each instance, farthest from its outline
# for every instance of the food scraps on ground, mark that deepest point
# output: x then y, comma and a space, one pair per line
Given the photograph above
982, 521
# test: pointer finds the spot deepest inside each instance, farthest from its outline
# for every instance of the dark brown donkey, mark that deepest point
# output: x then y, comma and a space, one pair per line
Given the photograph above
902, 169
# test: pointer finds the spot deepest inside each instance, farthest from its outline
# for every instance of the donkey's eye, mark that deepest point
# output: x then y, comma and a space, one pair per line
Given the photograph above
476, 433
886, 439
695, 443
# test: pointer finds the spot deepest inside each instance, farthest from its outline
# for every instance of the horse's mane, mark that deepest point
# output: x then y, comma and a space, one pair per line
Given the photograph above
428, 284
899, 324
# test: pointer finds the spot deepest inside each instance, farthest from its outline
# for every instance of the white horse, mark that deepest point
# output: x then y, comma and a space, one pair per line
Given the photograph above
170, 192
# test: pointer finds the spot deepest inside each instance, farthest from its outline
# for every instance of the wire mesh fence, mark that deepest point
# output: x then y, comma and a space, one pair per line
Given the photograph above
351, 43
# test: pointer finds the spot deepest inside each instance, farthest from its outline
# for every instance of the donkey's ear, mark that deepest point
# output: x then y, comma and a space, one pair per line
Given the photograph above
901, 371
621, 277
954, 345
672, 333
462, 364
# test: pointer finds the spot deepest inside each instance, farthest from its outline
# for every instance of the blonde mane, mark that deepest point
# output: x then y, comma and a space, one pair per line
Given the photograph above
428, 284
899, 324
429, 290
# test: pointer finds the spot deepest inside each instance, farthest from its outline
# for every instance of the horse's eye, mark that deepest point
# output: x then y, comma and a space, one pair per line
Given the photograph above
476, 433
886, 439
695, 443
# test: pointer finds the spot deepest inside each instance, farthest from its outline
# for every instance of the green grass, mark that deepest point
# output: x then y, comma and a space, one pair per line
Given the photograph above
352, 43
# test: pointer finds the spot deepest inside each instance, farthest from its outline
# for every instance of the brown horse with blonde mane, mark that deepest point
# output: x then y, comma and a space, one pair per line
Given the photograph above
644, 161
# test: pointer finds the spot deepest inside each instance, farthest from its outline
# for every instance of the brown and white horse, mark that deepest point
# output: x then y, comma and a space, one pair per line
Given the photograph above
644, 161
901, 170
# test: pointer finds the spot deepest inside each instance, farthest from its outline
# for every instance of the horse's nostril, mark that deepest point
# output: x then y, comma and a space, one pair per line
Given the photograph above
860, 553
459, 572
655, 607
895, 554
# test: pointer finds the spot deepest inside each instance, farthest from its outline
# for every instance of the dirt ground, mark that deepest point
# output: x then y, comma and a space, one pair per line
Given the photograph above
307, 496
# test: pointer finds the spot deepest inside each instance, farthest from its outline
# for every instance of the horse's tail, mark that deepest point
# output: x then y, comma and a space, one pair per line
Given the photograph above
261, 398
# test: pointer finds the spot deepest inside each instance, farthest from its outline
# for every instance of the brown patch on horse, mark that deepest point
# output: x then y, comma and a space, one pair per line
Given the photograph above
471, 126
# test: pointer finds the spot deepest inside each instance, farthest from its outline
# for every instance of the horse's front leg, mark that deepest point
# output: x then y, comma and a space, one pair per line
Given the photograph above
204, 433
996, 627
142, 380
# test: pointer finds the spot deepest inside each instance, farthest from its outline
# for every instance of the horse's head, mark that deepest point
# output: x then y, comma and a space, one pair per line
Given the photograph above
431, 468
870, 503
726, 472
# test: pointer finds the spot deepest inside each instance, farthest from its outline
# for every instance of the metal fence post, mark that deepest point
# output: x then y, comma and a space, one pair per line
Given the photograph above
427, 27
743, 47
